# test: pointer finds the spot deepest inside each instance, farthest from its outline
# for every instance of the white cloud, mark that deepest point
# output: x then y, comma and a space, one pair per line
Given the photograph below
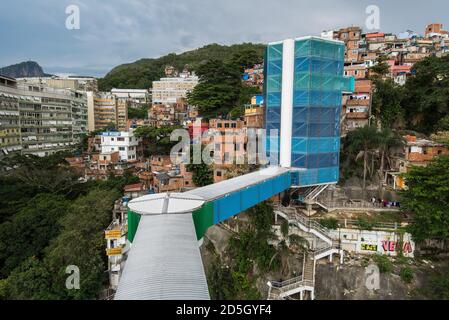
118, 31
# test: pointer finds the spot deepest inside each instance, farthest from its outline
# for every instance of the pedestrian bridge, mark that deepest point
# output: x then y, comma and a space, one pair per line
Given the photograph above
164, 261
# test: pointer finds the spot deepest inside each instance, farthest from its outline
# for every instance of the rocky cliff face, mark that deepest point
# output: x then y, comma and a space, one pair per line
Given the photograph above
348, 282
22, 70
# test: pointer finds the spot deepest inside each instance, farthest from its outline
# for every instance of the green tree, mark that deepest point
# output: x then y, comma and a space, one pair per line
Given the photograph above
427, 197
81, 243
142, 73
386, 139
381, 68
203, 174
158, 139
220, 281
246, 59
218, 90
30, 281
43, 174
30, 230
443, 124
427, 94
363, 140
387, 103
138, 113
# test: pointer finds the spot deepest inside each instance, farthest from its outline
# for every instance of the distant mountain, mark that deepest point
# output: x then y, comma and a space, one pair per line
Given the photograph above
142, 73
23, 70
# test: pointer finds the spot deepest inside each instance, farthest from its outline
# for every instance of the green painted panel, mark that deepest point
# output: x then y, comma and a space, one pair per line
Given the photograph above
203, 219
133, 223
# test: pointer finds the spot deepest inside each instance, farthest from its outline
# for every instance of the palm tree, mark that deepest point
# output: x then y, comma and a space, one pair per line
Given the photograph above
363, 140
386, 139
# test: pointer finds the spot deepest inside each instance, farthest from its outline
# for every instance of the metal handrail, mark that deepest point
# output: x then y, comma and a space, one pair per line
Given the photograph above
291, 284
276, 284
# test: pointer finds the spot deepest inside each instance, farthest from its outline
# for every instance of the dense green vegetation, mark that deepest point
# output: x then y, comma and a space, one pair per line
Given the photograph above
384, 263
138, 113
60, 222
440, 285
237, 280
366, 150
157, 139
142, 73
421, 104
220, 91
428, 198
202, 173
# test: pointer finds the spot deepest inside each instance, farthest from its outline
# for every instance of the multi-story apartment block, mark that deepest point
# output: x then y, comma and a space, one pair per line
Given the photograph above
416, 152
69, 82
351, 37
170, 90
435, 29
229, 141
105, 109
254, 113
135, 97
10, 140
357, 106
123, 142
40, 120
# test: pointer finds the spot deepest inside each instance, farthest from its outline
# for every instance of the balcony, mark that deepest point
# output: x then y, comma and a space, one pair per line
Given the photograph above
357, 115
254, 111
114, 251
358, 103
115, 231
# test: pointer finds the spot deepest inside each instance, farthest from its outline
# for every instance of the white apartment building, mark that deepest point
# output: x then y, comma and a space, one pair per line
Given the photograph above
135, 96
123, 142
63, 82
170, 90
39, 120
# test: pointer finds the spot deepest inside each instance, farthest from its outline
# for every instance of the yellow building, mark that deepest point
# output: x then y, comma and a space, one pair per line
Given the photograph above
105, 109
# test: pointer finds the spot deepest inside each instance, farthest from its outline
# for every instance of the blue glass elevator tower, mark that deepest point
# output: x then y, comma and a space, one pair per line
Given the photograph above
304, 83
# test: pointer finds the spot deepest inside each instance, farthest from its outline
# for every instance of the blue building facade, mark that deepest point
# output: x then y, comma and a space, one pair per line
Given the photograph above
312, 138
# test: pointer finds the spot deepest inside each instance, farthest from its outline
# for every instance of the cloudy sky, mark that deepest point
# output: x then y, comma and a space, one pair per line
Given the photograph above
119, 31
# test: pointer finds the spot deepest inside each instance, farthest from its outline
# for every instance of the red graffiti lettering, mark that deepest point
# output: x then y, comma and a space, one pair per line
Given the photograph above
389, 246
407, 247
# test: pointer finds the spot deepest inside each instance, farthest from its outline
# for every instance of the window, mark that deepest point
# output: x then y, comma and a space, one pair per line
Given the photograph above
219, 125
226, 125
218, 173
122, 148
234, 125
217, 146
120, 139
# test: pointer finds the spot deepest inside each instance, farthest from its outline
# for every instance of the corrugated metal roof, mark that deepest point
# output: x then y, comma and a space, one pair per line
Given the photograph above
220, 189
164, 262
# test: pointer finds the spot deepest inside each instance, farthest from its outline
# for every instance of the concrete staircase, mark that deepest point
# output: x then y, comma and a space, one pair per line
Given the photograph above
305, 284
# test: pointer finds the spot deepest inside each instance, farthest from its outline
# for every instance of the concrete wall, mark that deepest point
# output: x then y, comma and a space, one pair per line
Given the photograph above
375, 242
